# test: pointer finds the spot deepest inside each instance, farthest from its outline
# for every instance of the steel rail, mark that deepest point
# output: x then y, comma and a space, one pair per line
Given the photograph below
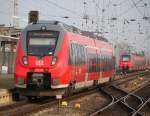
44, 105
112, 101
120, 100
138, 110
35, 107
136, 96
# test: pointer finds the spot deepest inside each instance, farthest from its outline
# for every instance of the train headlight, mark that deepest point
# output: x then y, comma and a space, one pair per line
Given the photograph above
43, 28
25, 60
54, 60
20, 81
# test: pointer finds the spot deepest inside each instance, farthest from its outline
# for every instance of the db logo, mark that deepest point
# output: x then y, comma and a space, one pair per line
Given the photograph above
39, 63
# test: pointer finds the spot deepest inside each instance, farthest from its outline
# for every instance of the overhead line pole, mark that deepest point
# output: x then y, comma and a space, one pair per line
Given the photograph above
15, 14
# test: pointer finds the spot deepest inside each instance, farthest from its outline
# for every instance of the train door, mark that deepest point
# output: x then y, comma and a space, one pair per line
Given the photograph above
76, 51
82, 63
101, 64
90, 66
76, 63
80, 76
86, 65
72, 62
74, 67
97, 70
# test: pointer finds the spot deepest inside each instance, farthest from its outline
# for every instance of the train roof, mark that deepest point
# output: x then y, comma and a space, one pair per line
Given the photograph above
74, 29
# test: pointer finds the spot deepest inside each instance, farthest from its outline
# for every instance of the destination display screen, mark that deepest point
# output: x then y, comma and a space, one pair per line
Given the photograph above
43, 34
41, 43
125, 58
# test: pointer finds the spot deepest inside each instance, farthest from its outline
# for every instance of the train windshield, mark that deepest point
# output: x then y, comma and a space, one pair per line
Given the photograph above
41, 43
125, 57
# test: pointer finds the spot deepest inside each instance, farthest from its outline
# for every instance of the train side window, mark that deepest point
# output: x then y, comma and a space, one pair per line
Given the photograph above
71, 54
80, 54
104, 63
108, 62
72, 51
86, 60
90, 63
80, 46
113, 62
108, 65
99, 62
76, 54
84, 54
105, 66
95, 62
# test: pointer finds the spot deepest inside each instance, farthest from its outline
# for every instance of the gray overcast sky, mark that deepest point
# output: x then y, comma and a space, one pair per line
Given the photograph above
120, 30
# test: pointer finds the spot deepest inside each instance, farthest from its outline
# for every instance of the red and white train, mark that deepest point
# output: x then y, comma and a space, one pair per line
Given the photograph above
133, 62
53, 57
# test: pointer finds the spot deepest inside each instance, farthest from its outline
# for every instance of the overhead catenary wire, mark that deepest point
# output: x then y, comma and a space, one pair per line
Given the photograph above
137, 7
77, 15
61, 7
68, 10
129, 9
122, 2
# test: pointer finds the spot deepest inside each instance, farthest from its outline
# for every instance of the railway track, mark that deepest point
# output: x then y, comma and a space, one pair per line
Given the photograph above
22, 107
10, 106
25, 107
145, 95
141, 107
129, 76
33, 107
129, 103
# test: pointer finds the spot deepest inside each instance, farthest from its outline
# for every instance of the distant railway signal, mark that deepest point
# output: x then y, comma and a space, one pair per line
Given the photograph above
33, 16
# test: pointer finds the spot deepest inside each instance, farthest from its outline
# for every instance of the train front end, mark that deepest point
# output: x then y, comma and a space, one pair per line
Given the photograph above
40, 61
125, 63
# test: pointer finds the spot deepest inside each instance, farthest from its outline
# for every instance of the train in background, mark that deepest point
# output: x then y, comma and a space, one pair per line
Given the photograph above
133, 62
54, 58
